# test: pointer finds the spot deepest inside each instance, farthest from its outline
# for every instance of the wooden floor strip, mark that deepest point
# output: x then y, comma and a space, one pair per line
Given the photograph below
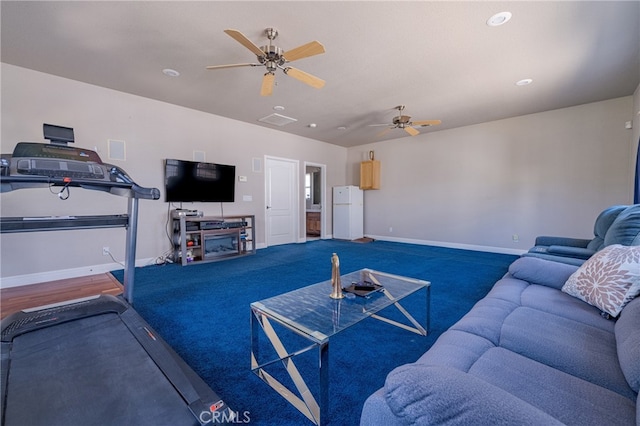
14, 299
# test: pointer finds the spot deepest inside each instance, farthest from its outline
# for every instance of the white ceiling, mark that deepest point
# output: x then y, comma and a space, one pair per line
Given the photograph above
439, 58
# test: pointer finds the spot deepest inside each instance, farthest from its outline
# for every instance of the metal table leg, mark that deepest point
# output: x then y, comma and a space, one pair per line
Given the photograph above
304, 401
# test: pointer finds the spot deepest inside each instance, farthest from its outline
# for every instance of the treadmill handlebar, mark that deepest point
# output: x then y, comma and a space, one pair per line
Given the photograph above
145, 193
119, 175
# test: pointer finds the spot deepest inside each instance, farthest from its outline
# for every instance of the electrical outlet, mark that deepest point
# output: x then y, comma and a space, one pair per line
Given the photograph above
105, 251
515, 238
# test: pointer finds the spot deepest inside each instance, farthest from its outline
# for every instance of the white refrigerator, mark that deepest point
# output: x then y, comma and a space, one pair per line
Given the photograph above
348, 213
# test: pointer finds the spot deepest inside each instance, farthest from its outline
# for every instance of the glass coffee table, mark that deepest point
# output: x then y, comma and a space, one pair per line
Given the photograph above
310, 312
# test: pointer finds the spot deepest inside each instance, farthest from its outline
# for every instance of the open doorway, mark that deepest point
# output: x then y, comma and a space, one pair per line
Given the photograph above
315, 195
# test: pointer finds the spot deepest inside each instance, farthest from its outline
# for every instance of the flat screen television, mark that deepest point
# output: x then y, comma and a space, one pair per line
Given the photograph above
190, 181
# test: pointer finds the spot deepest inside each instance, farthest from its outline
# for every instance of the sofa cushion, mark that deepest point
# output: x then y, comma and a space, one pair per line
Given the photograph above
627, 333
625, 229
603, 222
577, 252
457, 349
567, 345
569, 399
485, 319
556, 302
609, 279
542, 254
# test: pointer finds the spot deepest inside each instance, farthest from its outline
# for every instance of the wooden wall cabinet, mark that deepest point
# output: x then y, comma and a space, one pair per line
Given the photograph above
370, 174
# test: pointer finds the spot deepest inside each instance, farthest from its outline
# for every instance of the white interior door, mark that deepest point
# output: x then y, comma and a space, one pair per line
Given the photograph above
282, 200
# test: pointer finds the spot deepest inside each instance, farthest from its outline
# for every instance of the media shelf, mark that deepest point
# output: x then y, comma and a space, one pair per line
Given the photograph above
210, 238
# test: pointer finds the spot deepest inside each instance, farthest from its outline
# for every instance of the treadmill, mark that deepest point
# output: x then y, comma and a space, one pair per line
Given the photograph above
93, 360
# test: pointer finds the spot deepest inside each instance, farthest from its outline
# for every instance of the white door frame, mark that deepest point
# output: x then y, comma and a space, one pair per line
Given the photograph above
295, 214
323, 197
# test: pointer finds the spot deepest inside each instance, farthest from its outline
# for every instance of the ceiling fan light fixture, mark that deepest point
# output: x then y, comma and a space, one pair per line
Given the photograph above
405, 123
272, 57
499, 19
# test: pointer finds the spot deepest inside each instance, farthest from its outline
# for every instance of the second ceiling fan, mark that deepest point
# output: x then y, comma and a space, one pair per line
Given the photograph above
273, 57
404, 122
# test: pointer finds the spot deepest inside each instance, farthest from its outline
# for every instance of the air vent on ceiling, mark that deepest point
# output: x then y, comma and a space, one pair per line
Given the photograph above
278, 119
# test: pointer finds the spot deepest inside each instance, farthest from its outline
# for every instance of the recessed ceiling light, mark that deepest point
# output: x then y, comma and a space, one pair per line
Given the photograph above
313, 125
342, 128
170, 72
499, 19
524, 82
278, 108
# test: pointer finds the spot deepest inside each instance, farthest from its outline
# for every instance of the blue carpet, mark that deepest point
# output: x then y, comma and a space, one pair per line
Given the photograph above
203, 312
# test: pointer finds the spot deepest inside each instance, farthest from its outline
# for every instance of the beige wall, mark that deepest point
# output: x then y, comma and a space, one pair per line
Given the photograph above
477, 186
473, 187
152, 131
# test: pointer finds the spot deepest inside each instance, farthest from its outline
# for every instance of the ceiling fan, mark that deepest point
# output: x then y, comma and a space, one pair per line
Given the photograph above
404, 122
273, 57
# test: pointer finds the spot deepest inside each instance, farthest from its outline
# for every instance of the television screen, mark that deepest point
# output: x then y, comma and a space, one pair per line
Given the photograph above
189, 181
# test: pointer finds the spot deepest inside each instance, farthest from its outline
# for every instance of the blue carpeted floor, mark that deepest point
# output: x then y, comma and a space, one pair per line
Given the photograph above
203, 312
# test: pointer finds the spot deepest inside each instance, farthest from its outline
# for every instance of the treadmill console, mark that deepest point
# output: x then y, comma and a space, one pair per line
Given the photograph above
34, 164
60, 152
37, 159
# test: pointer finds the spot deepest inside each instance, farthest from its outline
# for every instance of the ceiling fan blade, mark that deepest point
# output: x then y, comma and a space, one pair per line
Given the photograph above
304, 51
267, 84
426, 123
240, 38
218, 67
378, 125
382, 133
411, 130
304, 77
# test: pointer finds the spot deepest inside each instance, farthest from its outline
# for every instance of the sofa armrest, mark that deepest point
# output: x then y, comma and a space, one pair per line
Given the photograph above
569, 251
430, 395
375, 411
544, 240
541, 271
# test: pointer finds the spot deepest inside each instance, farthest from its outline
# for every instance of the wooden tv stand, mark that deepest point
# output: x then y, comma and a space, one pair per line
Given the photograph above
211, 238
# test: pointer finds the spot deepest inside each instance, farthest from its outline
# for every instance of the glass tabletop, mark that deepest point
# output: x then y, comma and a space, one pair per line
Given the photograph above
311, 312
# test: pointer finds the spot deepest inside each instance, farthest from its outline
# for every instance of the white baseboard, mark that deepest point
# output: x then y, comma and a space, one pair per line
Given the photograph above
19, 280
63, 274
490, 249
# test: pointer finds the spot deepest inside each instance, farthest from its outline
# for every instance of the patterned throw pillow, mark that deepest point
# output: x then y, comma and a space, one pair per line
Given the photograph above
607, 280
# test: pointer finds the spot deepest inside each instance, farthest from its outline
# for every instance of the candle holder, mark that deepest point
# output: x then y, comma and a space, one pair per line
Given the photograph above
336, 284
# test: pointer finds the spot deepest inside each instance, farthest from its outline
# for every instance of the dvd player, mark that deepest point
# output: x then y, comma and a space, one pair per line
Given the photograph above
221, 224
177, 213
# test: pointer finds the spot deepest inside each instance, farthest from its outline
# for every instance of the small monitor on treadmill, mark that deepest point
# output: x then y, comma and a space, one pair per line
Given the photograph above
58, 134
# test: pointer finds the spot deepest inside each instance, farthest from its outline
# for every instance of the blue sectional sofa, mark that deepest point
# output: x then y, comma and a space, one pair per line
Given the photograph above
614, 225
526, 354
